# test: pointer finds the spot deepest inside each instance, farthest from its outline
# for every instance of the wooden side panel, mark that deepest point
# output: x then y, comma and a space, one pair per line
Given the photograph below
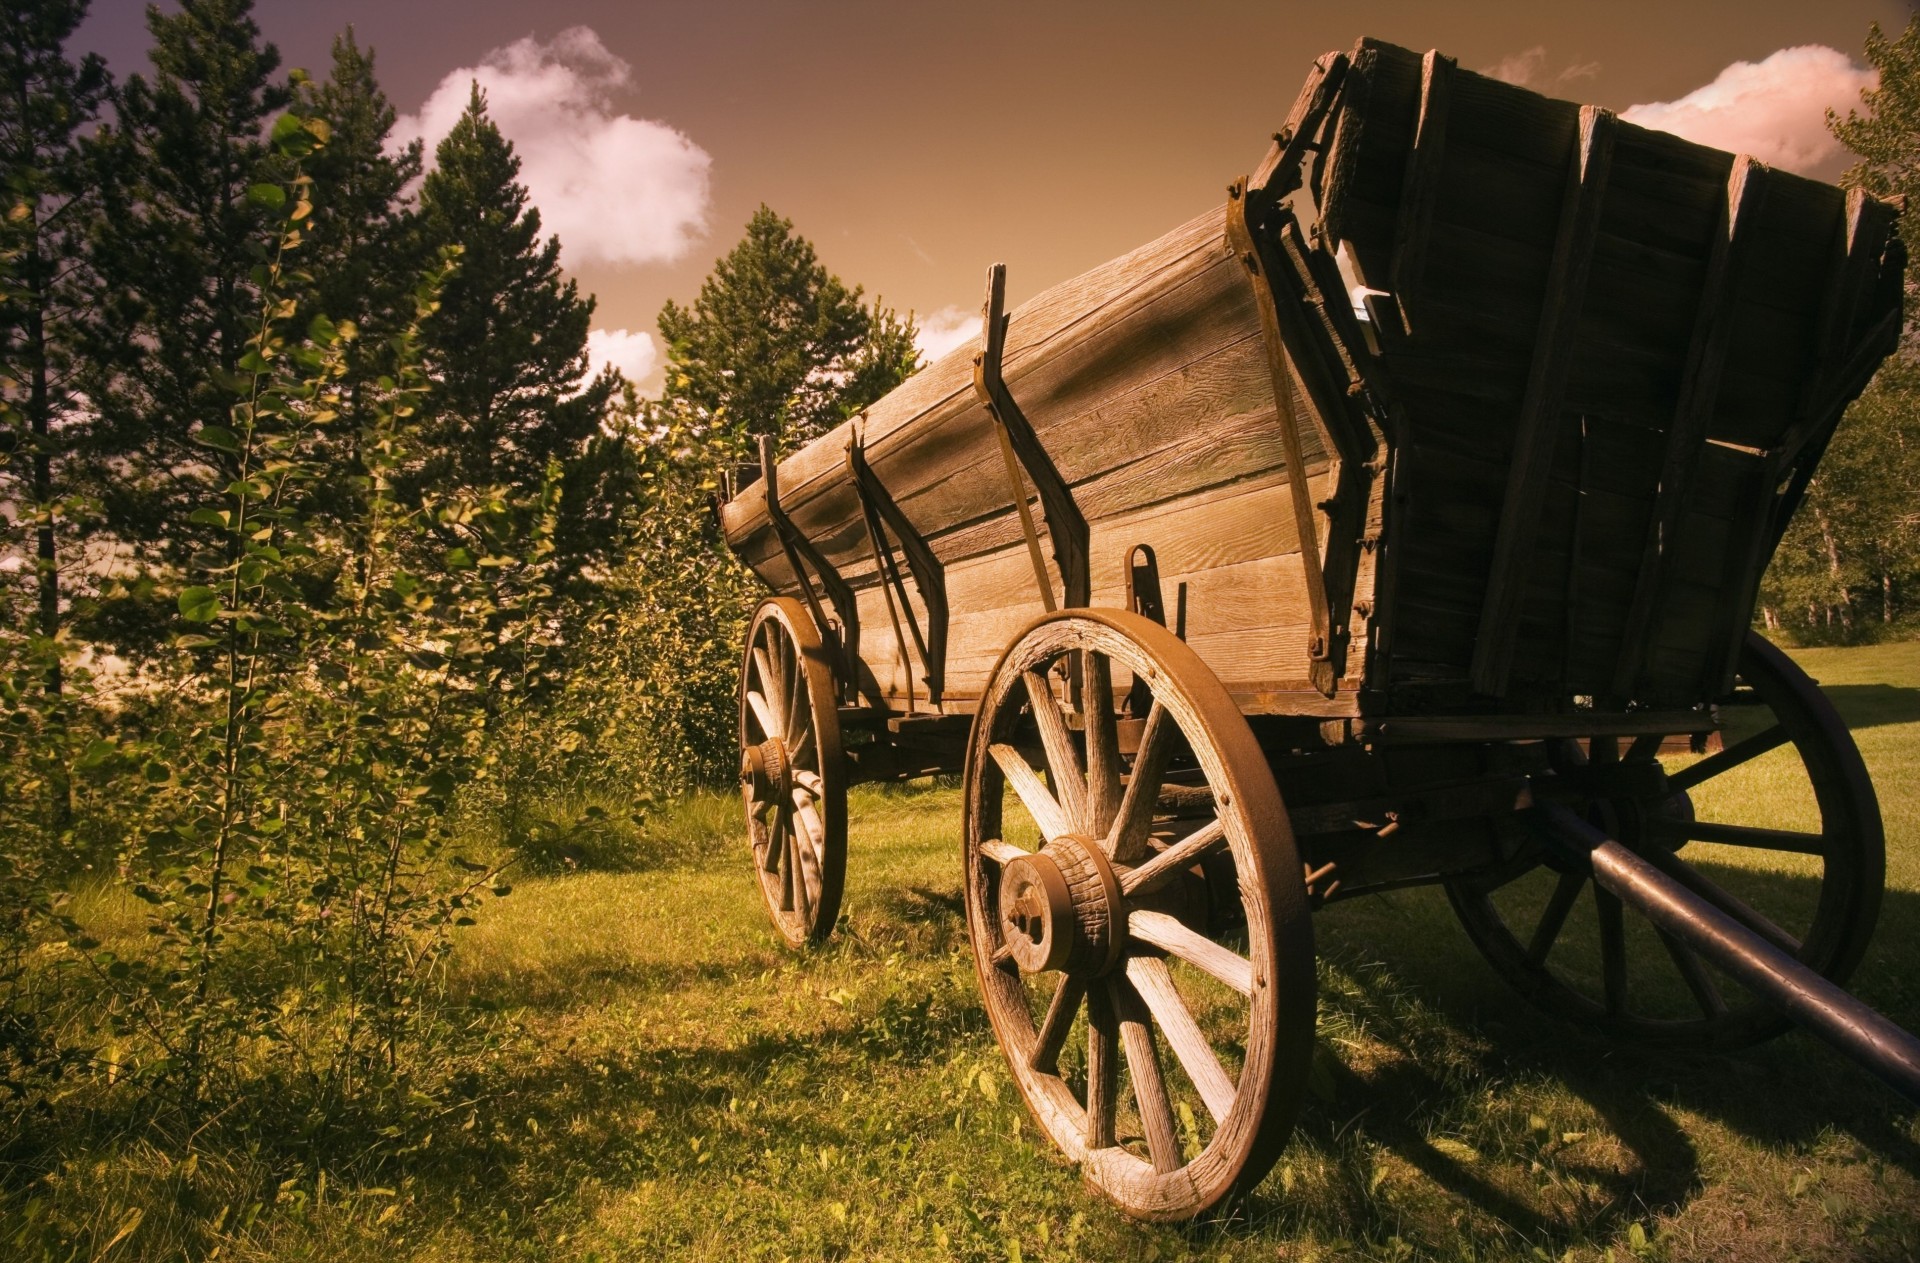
1147, 382
1619, 561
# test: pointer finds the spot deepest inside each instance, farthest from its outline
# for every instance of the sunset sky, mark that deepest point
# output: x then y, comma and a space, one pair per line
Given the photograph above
916, 144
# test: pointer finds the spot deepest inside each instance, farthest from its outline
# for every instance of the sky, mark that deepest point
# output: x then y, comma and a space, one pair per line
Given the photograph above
916, 144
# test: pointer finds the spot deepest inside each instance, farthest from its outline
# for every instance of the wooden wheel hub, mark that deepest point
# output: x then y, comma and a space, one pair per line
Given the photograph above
1057, 909
767, 772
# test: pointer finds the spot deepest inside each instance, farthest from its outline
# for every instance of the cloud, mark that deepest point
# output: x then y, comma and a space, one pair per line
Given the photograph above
1775, 109
634, 354
1521, 69
615, 189
941, 331
1529, 69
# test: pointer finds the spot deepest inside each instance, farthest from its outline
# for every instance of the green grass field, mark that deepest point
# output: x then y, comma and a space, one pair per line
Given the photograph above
665, 1081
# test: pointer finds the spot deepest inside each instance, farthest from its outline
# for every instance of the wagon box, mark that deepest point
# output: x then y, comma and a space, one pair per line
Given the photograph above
1398, 521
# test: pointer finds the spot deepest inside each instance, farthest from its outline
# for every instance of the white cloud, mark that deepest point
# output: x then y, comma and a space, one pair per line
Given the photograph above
1519, 68
1529, 69
614, 188
941, 331
634, 354
1775, 109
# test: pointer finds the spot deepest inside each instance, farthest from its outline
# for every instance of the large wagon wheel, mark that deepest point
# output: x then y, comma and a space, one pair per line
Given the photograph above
791, 772
1780, 830
1144, 898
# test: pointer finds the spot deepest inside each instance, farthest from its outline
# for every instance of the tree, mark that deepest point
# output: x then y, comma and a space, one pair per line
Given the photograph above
775, 344
194, 194
1852, 552
47, 103
507, 351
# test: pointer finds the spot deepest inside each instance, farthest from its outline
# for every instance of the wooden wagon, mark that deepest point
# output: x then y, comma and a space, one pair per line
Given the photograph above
1400, 521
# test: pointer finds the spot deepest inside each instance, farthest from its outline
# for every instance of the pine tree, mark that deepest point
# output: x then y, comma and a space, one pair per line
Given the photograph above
189, 205
47, 103
507, 352
361, 251
777, 344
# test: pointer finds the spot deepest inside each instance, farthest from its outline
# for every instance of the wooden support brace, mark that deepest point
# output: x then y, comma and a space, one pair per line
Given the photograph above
1699, 393
1540, 424
845, 640
883, 514
1021, 448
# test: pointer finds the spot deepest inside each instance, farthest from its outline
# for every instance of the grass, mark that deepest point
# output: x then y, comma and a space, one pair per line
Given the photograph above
658, 1078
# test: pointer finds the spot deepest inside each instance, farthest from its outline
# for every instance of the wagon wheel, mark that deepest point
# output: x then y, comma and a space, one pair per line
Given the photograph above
1780, 830
791, 774
1162, 927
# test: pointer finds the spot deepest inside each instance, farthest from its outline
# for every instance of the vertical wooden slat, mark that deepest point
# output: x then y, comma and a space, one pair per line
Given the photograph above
1699, 392
1540, 423
1421, 190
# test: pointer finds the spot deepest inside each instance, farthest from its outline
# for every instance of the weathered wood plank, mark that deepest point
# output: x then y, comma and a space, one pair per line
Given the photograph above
1541, 418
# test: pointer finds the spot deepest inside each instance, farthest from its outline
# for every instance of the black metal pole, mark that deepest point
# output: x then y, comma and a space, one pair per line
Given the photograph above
1801, 993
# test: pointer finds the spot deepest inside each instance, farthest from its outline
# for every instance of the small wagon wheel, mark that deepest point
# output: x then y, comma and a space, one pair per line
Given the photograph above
1140, 917
1780, 830
791, 773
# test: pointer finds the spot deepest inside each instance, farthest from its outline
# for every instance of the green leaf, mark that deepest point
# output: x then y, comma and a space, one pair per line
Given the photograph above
287, 125
323, 330
271, 196
209, 517
218, 437
199, 604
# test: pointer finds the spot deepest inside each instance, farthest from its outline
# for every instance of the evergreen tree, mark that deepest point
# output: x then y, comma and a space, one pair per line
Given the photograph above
777, 344
1851, 557
507, 352
47, 103
360, 250
192, 199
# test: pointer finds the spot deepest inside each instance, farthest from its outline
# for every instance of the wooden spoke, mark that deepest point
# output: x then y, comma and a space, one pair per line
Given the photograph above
763, 668
1695, 974
1171, 935
1739, 835
776, 839
1103, 742
800, 747
1731, 757
1143, 1071
1001, 852
1690, 877
796, 698
809, 820
1052, 1036
1177, 858
1613, 948
788, 870
1554, 918
809, 781
1151, 978
769, 722
1603, 750
1126, 841
1003, 957
1032, 792
1103, 1068
1063, 763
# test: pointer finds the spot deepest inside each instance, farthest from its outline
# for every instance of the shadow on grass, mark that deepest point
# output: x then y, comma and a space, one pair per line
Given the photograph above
1461, 1016
1873, 705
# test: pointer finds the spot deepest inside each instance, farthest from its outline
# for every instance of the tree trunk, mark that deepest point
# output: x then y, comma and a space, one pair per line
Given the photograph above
47, 556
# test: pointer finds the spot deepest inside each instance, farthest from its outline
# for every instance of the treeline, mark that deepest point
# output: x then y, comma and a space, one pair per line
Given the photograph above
326, 563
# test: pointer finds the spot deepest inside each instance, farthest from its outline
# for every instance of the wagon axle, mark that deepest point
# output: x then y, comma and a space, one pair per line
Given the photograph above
1802, 993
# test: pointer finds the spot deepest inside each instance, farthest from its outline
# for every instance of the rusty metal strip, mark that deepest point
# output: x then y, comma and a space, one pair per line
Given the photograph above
1281, 375
798, 548
1021, 449
929, 576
